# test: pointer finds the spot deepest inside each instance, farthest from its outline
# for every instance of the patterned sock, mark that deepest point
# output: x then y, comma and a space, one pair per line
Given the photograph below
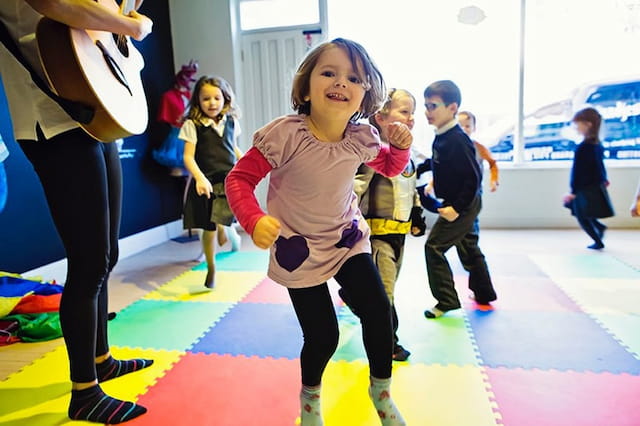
112, 368
94, 405
310, 413
379, 391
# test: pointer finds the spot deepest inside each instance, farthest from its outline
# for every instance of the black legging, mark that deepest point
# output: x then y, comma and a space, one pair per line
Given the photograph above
317, 317
82, 181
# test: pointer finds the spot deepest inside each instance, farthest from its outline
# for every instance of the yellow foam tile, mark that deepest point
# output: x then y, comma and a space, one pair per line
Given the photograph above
38, 395
425, 394
230, 287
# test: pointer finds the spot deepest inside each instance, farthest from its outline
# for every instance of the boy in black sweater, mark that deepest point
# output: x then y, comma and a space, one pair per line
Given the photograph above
457, 179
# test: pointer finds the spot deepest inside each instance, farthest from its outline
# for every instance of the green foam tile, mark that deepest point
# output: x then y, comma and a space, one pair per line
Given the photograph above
162, 324
239, 261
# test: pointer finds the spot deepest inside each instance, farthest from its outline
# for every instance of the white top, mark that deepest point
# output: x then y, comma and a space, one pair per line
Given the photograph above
189, 133
28, 105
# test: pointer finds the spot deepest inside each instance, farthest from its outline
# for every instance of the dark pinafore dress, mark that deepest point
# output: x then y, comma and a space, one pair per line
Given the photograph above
215, 156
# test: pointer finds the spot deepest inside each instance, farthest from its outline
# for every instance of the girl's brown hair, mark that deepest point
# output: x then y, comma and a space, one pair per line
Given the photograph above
366, 69
195, 113
593, 117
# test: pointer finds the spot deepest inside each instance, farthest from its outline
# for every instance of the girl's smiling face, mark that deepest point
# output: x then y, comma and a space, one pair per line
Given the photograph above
335, 89
211, 101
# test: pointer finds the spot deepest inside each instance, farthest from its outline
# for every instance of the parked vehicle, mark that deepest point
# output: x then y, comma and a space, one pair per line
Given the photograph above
549, 135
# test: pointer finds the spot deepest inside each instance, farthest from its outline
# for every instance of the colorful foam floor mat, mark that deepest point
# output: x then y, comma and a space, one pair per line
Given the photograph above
560, 347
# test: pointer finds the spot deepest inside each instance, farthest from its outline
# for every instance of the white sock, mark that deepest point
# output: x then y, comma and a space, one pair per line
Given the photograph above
379, 391
234, 237
310, 413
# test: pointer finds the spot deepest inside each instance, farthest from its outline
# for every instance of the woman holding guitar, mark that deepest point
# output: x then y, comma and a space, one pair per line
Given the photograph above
82, 182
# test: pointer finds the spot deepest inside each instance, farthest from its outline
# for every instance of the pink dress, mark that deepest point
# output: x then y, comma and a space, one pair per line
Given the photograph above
311, 194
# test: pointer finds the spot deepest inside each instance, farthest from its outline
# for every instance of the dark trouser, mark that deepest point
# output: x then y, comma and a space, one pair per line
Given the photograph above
387, 252
592, 226
82, 181
463, 234
317, 317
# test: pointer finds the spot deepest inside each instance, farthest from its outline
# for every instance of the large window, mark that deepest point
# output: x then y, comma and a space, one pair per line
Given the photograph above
260, 14
582, 53
416, 42
576, 53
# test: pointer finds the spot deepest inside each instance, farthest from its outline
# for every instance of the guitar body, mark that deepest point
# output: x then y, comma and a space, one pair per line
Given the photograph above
89, 67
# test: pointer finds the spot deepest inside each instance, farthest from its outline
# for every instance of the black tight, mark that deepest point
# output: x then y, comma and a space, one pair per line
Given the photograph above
317, 317
82, 181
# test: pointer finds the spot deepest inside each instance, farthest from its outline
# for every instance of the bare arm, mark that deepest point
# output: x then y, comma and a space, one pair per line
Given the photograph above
88, 14
485, 154
203, 186
635, 205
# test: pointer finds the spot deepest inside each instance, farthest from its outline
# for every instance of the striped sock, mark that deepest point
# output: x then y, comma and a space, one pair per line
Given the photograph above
94, 405
112, 368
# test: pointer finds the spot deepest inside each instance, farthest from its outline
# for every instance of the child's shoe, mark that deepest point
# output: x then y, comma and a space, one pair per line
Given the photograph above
209, 281
433, 313
400, 353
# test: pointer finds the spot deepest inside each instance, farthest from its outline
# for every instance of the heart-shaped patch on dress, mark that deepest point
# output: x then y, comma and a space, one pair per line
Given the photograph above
291, 252
350, 236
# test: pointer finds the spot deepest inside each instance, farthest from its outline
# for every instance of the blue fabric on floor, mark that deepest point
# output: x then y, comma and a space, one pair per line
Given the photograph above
12, 287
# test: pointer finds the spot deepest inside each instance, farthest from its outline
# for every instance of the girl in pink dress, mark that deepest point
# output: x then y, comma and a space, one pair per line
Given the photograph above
314, 228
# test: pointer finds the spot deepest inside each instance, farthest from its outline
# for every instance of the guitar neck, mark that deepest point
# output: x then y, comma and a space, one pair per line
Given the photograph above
127, 6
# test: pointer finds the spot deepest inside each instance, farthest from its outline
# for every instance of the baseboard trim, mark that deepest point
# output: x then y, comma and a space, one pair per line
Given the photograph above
129, 246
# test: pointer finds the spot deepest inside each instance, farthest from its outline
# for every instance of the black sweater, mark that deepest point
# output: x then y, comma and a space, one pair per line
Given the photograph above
588, 166
456, 172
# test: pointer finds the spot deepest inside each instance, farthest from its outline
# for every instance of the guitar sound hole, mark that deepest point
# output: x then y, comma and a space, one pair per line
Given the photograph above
121, 42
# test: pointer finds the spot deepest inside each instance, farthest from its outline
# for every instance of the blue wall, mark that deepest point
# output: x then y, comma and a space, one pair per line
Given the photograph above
28, 238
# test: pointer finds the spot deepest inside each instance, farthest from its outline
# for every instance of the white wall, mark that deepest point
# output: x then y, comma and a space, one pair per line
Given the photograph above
530, 196
203, 30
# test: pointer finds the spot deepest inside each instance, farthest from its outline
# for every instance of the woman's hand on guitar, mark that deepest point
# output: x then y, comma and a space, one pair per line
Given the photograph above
144, 25
266, 231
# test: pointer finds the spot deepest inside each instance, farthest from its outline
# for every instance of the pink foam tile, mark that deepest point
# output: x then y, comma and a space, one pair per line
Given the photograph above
268, 291
565, 398
224, 390
519, 294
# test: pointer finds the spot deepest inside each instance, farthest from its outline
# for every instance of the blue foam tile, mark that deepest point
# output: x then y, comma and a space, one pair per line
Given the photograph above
548, 340
264, 330
162, 324
253, 260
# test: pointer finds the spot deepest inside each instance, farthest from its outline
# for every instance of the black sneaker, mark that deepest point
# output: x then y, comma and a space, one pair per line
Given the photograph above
400, 353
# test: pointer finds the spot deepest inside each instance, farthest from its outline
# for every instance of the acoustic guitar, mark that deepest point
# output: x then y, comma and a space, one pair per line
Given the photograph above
98, 69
